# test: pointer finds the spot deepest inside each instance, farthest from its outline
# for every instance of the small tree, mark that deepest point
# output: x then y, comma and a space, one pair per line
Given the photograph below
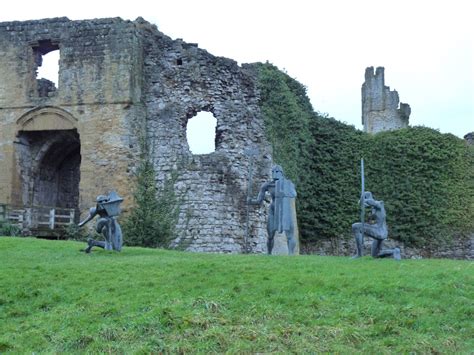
152, 221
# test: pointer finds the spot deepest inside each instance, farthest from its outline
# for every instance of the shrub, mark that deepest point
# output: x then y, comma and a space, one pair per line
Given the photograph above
152, 221
8, 229
74, 232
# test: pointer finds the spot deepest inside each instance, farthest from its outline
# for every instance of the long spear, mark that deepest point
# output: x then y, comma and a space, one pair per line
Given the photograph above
362, 197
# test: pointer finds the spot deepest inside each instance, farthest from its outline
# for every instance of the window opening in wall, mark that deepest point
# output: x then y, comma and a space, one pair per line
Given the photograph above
201, 133
46, 56
179, 61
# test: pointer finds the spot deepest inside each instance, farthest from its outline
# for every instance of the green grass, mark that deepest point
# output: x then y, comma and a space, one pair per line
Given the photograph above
53, 298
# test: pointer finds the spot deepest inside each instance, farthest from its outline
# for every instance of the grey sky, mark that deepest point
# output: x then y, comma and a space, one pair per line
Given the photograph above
425, 47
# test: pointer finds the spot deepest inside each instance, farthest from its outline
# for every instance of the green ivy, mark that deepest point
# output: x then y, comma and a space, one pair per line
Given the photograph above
425, 178
427, 181
287, 115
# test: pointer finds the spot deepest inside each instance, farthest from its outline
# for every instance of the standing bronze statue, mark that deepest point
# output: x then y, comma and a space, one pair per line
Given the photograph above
107, 209
280, 213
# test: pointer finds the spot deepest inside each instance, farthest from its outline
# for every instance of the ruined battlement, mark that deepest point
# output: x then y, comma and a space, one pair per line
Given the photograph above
380, 105
469, 138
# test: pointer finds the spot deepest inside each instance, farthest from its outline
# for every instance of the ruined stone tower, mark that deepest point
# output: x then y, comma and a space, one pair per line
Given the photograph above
380, 109
122, 83
469, 138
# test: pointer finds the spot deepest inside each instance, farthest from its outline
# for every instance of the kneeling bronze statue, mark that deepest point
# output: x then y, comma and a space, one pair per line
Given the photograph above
107, 209
376, 229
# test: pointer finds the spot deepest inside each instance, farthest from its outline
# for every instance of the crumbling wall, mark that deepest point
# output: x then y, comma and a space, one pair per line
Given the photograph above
122, 83
380, 105
97, 98
180, 80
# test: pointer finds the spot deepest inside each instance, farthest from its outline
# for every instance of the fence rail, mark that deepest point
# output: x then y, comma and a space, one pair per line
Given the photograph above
37, 217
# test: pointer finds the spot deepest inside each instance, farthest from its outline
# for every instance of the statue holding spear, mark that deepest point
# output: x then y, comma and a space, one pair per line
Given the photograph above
375, 227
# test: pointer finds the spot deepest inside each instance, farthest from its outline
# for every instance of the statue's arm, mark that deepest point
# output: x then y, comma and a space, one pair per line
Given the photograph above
91, 215
293, 190
261, 195
374, 203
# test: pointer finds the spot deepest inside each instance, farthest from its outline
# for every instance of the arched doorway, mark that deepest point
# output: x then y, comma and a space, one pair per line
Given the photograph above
50, 167
48, 155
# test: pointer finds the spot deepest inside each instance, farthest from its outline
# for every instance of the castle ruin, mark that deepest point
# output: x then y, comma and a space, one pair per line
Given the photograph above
380, 105
123, 83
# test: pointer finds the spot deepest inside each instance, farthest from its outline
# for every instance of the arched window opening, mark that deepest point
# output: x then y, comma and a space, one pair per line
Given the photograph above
50, 67
46, 57
201, 133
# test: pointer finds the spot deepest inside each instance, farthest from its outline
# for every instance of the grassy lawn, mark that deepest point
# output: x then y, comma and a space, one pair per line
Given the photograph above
53, 298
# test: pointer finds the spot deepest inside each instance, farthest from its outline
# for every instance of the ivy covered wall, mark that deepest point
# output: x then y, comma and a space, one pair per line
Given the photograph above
425, 178
427, 181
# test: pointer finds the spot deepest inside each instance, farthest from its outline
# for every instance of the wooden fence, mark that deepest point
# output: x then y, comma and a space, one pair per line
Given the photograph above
37, 217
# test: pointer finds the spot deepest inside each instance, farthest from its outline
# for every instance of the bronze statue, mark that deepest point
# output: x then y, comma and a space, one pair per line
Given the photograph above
107, 209
376, 228
280, 214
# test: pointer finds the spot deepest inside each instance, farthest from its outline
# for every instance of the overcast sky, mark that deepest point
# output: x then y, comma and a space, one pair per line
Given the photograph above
426, 47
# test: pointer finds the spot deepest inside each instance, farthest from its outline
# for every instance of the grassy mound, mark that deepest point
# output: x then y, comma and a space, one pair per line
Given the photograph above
53, 298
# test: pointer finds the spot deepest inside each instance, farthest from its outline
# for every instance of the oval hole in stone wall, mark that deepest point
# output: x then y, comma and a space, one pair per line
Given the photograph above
201, 133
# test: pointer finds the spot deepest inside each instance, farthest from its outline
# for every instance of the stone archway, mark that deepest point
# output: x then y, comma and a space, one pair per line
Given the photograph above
50, 168
49, 158
46, 118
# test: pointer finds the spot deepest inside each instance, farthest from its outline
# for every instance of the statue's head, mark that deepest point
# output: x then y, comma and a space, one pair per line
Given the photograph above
277, 172
368, 195
102, 199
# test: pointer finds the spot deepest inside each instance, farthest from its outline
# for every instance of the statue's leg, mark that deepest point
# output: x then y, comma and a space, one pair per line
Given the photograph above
376, 246
100, 244
101, 227
104, 226
94, 243
395, 253
377, 251
89, 245
101, 224
290, 236
357, 231
270, 231
270, 242
116, 236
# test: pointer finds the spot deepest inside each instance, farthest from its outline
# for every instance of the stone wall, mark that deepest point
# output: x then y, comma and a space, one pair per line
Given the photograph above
458, 248
180, 80
98, 98
121, 84
380, 105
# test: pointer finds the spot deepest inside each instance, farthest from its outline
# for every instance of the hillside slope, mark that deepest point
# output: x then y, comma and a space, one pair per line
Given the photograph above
54, 298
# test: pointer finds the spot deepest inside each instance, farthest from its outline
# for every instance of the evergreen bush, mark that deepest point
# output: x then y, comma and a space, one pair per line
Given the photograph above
151, 222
